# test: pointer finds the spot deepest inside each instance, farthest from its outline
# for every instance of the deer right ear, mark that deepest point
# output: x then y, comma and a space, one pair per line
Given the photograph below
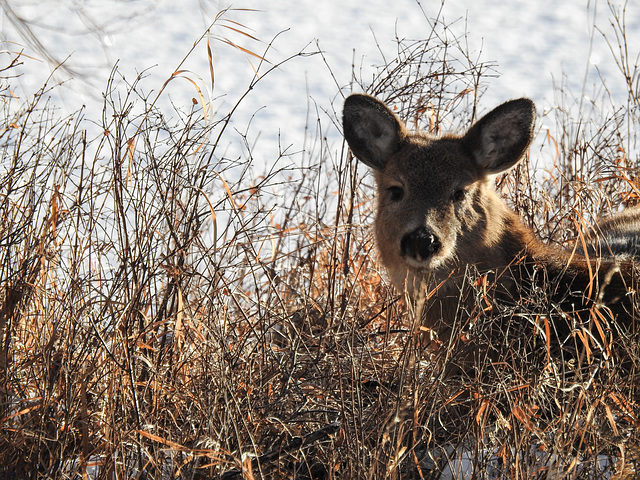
372, 131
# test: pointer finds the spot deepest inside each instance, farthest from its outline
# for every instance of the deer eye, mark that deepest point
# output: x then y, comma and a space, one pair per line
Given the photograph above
396, 193
459, 195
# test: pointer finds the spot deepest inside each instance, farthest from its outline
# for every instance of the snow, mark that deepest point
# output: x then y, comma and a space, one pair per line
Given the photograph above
534, 44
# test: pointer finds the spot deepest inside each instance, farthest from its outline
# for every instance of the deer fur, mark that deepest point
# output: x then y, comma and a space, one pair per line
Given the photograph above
438, 215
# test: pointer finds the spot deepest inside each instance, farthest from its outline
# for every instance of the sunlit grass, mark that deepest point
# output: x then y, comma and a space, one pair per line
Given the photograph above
167, 311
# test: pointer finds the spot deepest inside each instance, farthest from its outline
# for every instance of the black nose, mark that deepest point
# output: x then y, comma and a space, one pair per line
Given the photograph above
420, 244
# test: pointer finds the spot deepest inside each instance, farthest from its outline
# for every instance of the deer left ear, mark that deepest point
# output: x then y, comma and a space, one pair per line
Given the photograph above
499, 139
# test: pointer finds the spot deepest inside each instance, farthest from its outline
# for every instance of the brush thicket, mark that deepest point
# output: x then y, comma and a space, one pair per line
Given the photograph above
170, 312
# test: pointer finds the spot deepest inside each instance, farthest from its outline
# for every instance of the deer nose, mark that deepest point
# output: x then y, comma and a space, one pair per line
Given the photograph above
420, 244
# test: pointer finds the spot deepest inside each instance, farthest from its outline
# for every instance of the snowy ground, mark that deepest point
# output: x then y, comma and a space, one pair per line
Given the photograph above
532, 43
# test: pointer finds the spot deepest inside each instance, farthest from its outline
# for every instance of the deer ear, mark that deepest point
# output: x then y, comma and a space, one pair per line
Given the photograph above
499, 139
372, 131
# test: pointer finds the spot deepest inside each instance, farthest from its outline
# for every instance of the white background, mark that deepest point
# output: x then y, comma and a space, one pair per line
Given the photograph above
533, 43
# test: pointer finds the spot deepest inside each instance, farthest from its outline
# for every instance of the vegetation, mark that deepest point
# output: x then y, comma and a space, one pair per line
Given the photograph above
168, 311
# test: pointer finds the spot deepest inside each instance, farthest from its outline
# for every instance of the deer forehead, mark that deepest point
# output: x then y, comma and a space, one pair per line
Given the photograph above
431, 165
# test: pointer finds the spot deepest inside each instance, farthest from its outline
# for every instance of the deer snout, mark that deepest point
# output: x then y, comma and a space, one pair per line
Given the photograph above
420, 244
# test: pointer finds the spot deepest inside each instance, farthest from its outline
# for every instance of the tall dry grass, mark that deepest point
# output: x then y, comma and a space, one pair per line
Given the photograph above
169, 311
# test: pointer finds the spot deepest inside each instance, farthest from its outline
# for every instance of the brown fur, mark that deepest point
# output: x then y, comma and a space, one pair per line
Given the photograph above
438, 214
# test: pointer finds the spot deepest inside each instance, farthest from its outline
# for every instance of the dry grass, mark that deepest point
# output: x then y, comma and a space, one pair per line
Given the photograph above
168, 312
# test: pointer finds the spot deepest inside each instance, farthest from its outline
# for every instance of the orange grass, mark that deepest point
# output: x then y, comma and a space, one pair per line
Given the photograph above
166, 312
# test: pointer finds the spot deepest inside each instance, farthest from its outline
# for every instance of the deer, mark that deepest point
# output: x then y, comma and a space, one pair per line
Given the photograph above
438, 215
